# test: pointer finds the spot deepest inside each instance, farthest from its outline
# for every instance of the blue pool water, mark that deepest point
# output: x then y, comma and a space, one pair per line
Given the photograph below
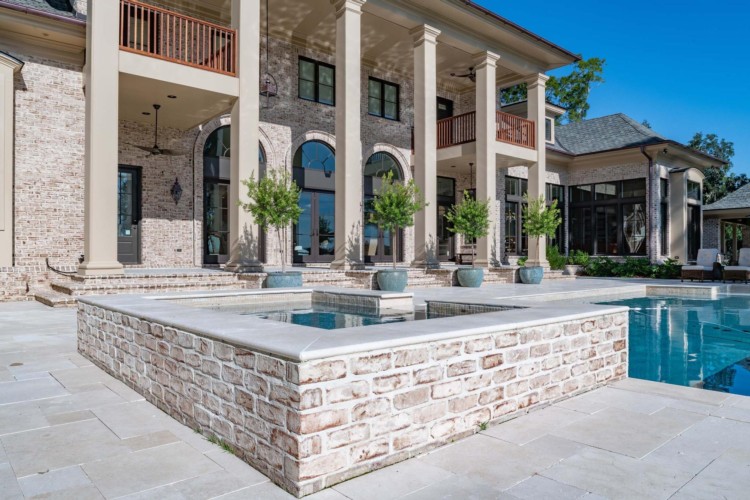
698, 343
332, 319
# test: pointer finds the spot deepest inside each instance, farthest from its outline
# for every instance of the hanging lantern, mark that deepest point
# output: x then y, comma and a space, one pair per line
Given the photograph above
176, 191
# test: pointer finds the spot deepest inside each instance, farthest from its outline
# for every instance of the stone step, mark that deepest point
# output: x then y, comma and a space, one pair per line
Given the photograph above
164, 278
55, 299
155, 286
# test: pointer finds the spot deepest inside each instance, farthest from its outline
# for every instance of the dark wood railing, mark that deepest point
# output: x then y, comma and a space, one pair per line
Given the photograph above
457, 130
160, 33
516, 130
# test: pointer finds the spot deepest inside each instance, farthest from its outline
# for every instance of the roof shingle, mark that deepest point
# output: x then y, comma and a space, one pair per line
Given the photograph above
733, 201
58, 7
616, 131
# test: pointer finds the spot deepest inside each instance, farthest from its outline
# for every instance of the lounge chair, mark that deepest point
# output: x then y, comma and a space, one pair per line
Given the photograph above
704, 267
741, 271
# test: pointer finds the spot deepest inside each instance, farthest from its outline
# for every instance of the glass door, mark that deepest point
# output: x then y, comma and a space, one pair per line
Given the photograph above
216, 222
129, 215
446, 197
313, 236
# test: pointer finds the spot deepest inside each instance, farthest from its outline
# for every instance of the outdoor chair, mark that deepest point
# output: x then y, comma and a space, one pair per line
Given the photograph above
704, 267
741, 271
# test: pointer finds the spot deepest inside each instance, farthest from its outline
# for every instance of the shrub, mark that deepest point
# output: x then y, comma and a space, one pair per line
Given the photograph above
632, 267
579, 258
522, 261
671, 269
603, 267
556, 260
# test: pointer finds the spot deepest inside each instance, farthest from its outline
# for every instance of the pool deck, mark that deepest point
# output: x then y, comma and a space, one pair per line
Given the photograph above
68, 430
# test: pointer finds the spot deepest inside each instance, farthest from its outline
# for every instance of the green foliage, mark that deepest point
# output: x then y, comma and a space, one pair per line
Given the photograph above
274, 202
539, 219
556, 260
579, 258
470, 218
522, 261
632, 267
394, 206
719, 181
221, 443
570, 91
483, 426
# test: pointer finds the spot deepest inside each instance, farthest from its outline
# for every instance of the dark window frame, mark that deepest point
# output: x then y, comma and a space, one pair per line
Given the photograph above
522, 241
382, 99
316, 82
664, 215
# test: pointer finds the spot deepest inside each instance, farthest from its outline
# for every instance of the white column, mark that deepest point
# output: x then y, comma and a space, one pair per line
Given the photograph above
425, 143
538, 172
102, 94
486, 110
244, 234
348, 248
9, 66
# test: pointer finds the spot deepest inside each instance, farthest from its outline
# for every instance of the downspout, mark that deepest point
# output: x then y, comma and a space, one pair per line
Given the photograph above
652, 241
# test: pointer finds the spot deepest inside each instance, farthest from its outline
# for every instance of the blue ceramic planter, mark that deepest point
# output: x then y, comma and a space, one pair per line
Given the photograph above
289, 279
470, 277
532, 275
392, 280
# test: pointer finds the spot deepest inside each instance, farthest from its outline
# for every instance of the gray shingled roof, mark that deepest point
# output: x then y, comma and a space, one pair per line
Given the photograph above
604, 134
733, 201
58, 7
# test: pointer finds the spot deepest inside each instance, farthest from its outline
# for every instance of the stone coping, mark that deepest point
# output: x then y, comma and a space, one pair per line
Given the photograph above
301, 343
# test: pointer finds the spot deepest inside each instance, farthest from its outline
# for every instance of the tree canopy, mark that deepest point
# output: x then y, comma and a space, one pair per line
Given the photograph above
720, 181
570, 91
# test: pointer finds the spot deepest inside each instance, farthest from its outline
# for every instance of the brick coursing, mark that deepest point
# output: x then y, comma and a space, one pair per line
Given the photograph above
308, 425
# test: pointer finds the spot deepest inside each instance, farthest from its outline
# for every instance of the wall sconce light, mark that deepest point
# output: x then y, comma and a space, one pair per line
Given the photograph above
176, 191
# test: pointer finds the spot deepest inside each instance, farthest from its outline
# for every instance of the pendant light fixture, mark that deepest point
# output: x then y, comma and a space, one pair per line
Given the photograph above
268, 86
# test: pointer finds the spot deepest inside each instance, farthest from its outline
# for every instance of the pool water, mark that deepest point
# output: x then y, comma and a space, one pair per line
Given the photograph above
331, 319
697, 343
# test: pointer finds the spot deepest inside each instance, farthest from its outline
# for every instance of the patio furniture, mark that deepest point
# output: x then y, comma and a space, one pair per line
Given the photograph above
741, 271
703, 268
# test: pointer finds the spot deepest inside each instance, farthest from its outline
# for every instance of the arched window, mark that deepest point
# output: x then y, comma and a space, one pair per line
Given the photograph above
379, 164
219, 143
315, 155
379, 244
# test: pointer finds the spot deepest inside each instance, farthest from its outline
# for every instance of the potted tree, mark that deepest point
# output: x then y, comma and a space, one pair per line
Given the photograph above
539, 221
393, 209
471, 219
274, 203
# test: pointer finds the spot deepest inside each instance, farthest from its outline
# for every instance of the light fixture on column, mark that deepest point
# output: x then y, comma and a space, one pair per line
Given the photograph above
268, 85
176, 191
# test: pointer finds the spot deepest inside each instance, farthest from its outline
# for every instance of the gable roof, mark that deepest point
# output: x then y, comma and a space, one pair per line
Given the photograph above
739, 199
60, 8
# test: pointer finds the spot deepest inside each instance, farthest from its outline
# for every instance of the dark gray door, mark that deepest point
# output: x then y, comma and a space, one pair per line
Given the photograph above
129, 215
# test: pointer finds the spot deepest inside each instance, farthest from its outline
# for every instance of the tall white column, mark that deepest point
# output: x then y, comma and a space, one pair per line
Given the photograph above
425, 143
348, 248
9, 66
538, 172
101, 165
244, 234
486, 111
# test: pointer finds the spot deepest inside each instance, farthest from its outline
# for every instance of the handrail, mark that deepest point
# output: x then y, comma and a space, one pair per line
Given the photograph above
515, 130
171, 36
456, 130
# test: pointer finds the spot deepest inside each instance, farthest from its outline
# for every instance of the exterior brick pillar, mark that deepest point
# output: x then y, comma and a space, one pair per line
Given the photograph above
538, 172
8, 67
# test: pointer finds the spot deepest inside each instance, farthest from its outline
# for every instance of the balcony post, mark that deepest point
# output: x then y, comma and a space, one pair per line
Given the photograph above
348, 206
486, 105
244, 234
425, 143
101, 75
538, 171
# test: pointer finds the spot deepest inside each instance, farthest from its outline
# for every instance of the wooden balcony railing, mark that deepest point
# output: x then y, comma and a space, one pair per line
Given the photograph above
174, 37
463, 128
513, 129
457, 130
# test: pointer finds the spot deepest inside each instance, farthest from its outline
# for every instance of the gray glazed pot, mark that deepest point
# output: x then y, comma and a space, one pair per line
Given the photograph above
470, 277
532, 275
289, 279
392, 280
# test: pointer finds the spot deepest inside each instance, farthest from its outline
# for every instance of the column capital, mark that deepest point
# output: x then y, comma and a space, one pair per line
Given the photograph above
424, 33
539, 79
351, 5
486, 58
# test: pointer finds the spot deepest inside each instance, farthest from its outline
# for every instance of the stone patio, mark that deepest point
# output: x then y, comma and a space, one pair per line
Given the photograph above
68, 430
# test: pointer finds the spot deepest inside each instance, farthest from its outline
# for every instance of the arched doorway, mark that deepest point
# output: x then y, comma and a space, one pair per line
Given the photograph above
378, 243
314, 167
216, 179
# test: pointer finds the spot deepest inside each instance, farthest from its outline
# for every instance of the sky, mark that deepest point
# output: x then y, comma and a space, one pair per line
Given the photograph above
682, 65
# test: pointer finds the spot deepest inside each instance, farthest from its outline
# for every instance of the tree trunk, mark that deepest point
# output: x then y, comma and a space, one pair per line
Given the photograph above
394, 238
282, 244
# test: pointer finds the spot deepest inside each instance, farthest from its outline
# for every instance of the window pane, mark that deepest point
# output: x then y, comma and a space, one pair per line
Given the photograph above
580, 229
375, 89
307, 90
663, 187
524, 187
391, 93
606, 191
511, 186
548, 129
325, 94
634, 228
373, 106
307, 70
664, 226
634, 188
325, 75
694, 190
445, 187
511, 228
606, 230
391, 111
555, 192
580, 193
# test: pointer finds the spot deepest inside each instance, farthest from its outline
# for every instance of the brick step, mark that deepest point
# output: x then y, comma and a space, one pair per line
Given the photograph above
164, 278
55, 299
146, 287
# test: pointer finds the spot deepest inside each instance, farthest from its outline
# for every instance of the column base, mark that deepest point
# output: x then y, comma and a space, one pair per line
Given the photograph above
101, 269
345, 265
255, 266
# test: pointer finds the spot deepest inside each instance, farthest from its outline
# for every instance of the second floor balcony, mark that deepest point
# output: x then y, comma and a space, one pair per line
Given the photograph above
462, 129
174, 37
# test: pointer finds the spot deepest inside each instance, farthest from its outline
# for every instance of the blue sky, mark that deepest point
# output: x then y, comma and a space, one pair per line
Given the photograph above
682, 65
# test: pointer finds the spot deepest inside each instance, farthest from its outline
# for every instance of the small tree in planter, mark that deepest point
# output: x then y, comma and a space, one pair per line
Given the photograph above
471, 219
393, 209
539, 221
274, 203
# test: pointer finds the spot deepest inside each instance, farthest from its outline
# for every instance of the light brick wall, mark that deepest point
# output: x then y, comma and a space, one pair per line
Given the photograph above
312, 424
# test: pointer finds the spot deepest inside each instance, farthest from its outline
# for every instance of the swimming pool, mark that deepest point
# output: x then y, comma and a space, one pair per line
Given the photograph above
698, 343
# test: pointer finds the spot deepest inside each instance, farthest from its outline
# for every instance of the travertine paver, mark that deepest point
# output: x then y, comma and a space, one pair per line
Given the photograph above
69, 430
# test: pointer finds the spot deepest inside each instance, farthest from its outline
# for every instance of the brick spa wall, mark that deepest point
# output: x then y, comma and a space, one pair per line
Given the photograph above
308, 425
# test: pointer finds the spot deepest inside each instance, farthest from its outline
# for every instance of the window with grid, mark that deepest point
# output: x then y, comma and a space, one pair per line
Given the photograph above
317, 81
383, 99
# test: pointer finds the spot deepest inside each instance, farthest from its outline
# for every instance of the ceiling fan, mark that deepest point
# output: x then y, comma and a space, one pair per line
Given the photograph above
471, 75
155, 150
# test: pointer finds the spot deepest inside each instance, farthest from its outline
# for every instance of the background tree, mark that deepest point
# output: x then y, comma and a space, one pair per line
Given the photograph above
720, 181
570, 91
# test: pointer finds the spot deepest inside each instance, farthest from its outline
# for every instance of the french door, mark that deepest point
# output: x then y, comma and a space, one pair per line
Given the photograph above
129, 215
313, 238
